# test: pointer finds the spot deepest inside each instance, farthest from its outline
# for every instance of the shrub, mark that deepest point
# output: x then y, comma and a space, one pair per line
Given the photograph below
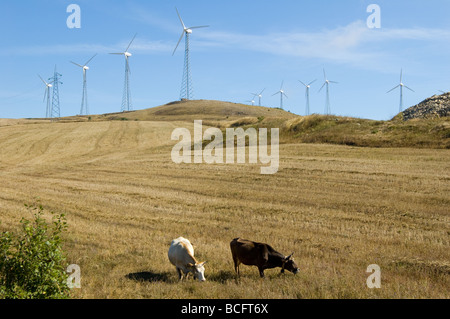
32, 263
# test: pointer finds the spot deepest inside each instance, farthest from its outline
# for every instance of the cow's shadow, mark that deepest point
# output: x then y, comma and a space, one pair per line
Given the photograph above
150, 276
221, 276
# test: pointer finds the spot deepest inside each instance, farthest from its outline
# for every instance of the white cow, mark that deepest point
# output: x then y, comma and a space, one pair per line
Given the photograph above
181, 255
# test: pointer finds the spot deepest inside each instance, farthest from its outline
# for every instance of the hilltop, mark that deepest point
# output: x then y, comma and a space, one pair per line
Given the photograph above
207, 110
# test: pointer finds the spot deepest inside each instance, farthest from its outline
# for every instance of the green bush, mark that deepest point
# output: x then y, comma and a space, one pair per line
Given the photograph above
32, 263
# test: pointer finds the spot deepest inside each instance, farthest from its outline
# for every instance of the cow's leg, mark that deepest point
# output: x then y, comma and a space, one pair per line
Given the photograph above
186, 274
236, 265
261, 272
180, 275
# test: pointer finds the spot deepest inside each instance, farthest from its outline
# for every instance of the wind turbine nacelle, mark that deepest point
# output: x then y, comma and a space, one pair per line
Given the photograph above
189, 31
127, 54
85, 68
50, 86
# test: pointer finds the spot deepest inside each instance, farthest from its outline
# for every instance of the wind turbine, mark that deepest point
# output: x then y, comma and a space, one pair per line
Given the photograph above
307, 86
126, 99
327, 84
259, 96
281, 92
48, 86
401, 85
252, 101
84, 99
186, 84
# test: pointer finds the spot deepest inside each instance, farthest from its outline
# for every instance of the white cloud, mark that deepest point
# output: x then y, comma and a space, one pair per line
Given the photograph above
354, 44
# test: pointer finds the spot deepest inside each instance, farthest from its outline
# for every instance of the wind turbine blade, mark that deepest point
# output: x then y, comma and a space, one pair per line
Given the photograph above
441, 91
334, 82
302, 83
312, 82
392, 89
324, 74
282, 83
401, 75
42, 79
90, 59
409, 88
322, 87
181, 20
45, 94
129, 45
262, 91
76, 64
285, 95
118, 53
199, 27
181, 38
276, 93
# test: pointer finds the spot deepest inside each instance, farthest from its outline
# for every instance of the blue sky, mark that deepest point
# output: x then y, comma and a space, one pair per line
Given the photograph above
249, 46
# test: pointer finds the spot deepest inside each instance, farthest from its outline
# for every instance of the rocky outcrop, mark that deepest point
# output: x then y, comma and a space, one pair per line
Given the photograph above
433, 107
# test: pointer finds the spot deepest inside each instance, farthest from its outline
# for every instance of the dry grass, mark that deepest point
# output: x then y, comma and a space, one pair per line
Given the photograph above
431, 133
339, 208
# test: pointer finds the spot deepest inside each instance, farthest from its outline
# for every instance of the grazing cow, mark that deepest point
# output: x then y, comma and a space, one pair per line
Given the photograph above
261, 255
181, 255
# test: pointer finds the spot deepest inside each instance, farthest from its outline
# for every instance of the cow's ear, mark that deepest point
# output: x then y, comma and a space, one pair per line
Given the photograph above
288, 257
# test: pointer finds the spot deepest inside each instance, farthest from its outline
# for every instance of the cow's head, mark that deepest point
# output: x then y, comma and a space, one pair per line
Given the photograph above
289, 264
198, 270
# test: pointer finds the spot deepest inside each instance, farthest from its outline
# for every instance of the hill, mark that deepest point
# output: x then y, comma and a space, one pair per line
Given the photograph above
419, 133
206, 110
427, 126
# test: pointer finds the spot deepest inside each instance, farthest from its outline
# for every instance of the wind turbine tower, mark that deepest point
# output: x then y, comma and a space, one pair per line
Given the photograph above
186, 84
55, 110
281, 92
401, 85
327, 84
259, 96
307, 87
126, 98
48, 86
84, 99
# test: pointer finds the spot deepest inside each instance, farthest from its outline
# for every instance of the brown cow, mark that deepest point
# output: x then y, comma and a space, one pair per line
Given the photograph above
261, 255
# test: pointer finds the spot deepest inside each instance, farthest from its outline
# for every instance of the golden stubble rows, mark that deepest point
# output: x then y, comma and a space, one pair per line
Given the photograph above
338, 208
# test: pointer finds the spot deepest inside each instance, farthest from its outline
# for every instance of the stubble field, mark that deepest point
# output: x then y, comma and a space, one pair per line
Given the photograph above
338, 208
